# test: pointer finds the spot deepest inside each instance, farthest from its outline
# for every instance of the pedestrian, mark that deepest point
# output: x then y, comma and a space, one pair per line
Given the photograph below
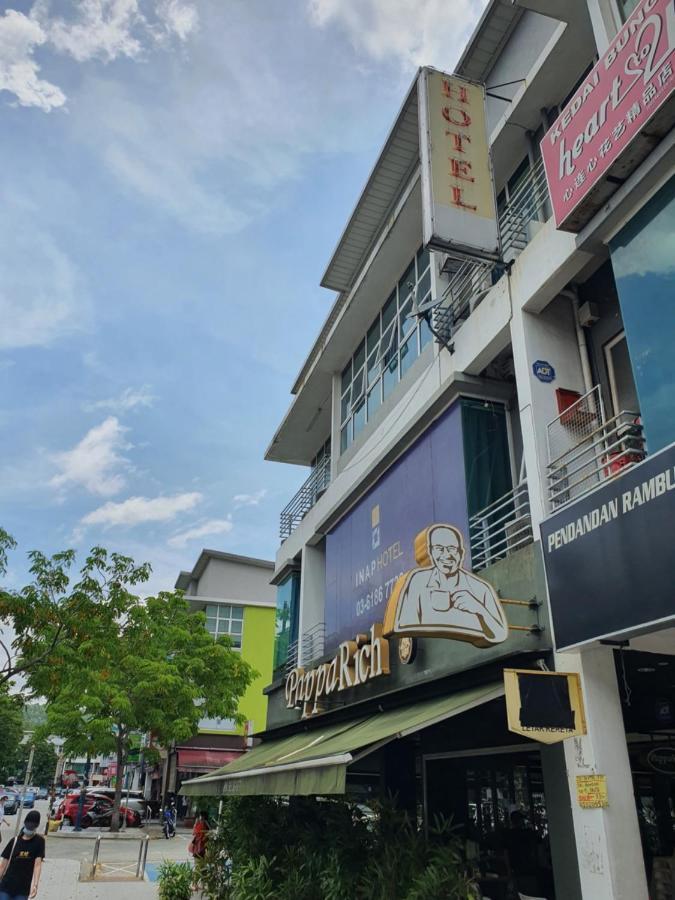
21, 861
197, 846
3, 799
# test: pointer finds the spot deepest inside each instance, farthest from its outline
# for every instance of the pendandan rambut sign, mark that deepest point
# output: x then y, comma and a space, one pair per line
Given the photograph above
615, 119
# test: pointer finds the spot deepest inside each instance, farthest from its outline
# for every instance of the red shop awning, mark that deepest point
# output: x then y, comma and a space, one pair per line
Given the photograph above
198, 760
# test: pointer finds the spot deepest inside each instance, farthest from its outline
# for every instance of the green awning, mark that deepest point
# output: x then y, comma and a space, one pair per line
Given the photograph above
316, 761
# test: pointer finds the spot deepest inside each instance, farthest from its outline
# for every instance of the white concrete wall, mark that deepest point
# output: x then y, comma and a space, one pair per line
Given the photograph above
312, 597
235, 581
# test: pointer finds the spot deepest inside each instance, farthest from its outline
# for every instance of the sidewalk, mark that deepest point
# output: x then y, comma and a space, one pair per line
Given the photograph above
60, 882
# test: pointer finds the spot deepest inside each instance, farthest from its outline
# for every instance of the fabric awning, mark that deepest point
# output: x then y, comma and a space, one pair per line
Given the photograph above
204, 760
316, 761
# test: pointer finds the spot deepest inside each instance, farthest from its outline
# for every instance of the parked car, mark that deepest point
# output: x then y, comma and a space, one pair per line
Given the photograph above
12, 802
28, 799
100, 815
133, 799
43, 793
69, 805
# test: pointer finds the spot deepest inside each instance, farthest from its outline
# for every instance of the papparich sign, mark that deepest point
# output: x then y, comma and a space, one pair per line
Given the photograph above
622, 109
609, 556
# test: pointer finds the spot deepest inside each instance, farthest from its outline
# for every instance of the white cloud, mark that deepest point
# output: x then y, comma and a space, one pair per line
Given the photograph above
19, 36
137, 510
646, 256
211, 527
102, 28
95, 462
179, 17
98, 29
129, 399
42, 296
254, 499
416, 32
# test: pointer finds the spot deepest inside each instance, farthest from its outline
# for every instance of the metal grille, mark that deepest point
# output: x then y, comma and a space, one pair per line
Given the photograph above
501, 528
529, 201
313, 643
585, 449
294, 512
470, 281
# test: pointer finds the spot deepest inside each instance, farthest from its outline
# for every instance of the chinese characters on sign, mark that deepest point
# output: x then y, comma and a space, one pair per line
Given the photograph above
622, 93
592, 791
457, 185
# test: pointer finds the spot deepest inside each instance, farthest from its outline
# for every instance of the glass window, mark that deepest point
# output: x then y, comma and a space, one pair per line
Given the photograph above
620, 372
224, 619
487, 459
286, 622
391, 345
626, 7
642, 261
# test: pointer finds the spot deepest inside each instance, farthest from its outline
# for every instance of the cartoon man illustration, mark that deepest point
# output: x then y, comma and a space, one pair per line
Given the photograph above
442, 599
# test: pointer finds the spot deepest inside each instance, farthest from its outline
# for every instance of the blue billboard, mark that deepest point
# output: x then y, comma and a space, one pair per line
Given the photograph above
373, 544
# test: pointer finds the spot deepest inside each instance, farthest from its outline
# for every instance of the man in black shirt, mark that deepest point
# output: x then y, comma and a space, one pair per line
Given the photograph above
21, 861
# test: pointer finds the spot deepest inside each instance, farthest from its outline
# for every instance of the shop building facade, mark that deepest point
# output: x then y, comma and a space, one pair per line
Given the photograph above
461, 414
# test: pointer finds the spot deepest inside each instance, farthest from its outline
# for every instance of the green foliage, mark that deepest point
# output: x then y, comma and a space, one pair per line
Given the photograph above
110, 664
327, 849
175, 881
11, 733
34, 716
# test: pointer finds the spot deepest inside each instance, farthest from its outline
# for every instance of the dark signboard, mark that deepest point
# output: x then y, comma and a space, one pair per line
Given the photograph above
610, 557
373, 543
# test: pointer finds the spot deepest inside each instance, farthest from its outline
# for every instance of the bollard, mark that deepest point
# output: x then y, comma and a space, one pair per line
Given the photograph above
145, 845
140, 857
94, 860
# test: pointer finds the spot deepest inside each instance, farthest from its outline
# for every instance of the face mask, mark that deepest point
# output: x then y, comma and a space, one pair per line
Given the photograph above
29, 829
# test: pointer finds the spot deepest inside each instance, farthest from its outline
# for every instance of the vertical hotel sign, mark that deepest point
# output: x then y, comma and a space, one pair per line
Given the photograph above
457, 185
624, 106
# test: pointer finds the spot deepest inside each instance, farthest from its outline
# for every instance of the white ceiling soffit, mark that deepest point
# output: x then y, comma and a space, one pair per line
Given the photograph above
489, 37
392, 171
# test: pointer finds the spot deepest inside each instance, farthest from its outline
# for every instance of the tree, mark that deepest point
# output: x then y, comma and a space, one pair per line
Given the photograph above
11, 732
129, 665
42, 615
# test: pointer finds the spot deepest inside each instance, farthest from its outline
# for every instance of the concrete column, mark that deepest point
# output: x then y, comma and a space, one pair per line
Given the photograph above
605, 21
312, 601
549, 336
560, 823
609, 851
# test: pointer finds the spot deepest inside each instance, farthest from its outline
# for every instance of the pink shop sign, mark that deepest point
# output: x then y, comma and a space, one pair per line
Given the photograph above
602, 134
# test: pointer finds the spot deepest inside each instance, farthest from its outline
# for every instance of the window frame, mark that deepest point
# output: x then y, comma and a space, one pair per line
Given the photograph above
383, 357
237, 638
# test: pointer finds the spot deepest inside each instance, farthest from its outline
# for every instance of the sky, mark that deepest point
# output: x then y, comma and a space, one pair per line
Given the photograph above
174, 176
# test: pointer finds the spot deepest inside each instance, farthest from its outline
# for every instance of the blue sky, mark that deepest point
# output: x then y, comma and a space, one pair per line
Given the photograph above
174, 175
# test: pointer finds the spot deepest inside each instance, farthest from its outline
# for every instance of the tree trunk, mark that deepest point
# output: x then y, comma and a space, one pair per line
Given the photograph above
115, 823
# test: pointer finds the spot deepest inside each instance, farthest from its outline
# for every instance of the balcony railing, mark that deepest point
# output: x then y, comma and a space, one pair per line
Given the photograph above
528, 202
585, 448
470, 281
313, 643
500, 528
294, 512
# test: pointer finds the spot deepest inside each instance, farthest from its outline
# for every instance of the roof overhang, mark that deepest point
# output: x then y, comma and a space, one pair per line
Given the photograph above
308, 420
394, 166
490, 35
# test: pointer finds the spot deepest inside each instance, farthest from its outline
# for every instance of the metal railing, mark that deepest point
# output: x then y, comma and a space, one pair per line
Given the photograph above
294, 512
528, 202
292, 655
470, 281
313, 643
585, 448
501, 528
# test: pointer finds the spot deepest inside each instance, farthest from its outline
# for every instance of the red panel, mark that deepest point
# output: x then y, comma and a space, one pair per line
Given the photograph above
205, 759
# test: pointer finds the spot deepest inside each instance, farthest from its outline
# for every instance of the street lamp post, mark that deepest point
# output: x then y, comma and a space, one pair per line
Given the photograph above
29, 772
83, 791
